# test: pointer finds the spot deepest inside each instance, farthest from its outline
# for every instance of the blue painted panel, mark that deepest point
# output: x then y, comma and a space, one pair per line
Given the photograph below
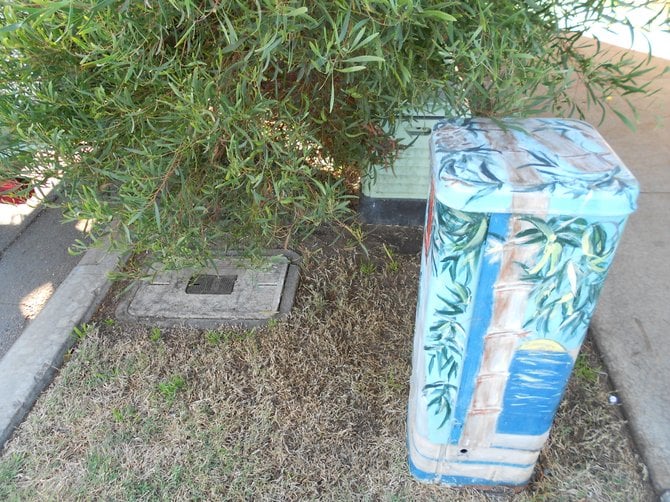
534, 390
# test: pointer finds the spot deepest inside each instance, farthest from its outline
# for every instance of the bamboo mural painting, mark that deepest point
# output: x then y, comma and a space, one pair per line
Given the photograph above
522, 225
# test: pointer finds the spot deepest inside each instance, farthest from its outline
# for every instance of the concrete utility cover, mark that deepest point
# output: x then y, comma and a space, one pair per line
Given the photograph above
228, 292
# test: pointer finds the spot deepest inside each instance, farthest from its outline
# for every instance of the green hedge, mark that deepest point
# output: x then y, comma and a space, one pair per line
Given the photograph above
248, 122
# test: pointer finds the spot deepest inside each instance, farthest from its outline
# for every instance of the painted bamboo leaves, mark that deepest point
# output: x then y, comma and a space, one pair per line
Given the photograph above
482, 176
494, 160
455, 249
568, 273
557, 173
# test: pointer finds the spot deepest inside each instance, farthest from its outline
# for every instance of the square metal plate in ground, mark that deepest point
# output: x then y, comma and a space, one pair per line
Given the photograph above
211, 284
231, 291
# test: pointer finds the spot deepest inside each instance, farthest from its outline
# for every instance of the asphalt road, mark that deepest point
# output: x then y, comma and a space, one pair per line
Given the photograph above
32, 266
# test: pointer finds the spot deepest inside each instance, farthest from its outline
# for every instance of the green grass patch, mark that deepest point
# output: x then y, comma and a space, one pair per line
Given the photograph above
171, 387
585, 369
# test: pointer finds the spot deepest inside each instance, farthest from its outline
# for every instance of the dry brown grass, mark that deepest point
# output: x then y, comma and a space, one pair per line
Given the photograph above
309, 408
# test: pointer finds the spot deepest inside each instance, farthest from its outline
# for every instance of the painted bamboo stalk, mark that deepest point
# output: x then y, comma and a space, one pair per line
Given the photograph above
506, 331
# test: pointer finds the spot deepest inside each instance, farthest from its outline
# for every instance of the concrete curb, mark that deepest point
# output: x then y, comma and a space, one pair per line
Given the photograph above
31, 363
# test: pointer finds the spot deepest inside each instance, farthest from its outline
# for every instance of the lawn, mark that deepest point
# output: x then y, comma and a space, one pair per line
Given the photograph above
309, 408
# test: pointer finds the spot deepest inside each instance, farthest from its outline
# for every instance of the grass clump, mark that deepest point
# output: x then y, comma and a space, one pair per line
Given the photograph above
169, 388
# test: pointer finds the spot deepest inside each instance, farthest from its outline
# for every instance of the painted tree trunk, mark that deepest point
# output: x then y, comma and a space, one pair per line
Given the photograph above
521, 227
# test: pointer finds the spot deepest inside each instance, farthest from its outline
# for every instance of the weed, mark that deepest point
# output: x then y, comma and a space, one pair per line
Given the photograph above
150, 427
124, 414
358, 236
584, 370
101, 377
393, 382
392, 265
214, 337
155, 334
118, 415
139, 490
82, 331
109, 322
368, 268
101, 468
171, 387
217, 337
10, 467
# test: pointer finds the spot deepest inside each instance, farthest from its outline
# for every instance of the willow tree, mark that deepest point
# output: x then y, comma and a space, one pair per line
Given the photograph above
190, 124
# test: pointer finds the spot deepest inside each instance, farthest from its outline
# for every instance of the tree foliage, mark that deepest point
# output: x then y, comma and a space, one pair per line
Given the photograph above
243, 122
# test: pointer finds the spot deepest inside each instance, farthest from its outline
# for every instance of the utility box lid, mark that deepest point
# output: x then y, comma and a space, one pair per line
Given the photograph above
534, 166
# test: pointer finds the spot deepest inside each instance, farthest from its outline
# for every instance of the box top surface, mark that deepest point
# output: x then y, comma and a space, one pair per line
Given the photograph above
535, 166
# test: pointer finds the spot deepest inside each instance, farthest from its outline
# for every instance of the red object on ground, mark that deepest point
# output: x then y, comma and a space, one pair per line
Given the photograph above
8, 191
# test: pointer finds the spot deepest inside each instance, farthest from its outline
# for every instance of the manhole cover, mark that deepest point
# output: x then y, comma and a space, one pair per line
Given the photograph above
228, 292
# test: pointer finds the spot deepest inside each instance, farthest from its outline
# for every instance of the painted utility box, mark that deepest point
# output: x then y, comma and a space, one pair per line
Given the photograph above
522, 223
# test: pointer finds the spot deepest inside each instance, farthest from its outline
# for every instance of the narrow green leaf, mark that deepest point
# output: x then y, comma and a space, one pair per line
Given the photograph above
136, 216
351, 69
365, 41
157, 215
297, 12
345, 27
10, 27
365, 59
628, 122
438, 14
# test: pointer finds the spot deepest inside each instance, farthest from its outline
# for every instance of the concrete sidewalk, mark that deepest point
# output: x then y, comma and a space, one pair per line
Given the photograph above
631, 326
46, 293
